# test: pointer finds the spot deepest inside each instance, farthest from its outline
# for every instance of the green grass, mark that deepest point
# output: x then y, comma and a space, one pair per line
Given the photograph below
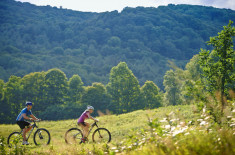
119, 125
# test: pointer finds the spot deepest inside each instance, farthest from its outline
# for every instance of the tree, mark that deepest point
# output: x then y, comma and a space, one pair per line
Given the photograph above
1, 89
218, 64
96, 96
172, 88
124, 88
151, 95
12, 98
75, 88
56, 86
33, 86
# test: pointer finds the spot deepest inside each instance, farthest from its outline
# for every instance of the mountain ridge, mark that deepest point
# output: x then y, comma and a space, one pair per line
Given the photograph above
36, 38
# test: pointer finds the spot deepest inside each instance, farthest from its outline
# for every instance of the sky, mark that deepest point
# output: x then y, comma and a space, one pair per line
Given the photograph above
111, 5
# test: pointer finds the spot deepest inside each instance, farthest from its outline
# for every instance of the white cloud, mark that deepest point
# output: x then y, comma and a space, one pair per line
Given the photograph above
110, 5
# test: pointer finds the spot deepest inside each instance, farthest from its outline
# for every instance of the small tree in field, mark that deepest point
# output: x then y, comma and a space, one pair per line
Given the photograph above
218, 64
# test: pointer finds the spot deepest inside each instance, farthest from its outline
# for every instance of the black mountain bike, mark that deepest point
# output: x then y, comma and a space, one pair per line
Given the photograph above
41, 136
100, 135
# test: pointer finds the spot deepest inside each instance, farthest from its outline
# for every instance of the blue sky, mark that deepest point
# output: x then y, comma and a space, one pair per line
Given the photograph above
110, 5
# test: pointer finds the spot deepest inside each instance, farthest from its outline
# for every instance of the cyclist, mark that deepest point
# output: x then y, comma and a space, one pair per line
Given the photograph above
24, 125
84, 125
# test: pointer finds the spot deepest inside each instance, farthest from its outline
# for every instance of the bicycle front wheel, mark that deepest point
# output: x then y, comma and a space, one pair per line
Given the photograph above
73, 136
101, 135
42, 137
14, 139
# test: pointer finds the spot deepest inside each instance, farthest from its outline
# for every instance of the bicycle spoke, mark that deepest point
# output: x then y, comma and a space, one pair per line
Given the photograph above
15, 139
73, 136
101, 135
42, 137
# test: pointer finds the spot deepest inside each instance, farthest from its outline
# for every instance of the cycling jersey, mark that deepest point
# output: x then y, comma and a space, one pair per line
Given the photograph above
85, 115
24, 111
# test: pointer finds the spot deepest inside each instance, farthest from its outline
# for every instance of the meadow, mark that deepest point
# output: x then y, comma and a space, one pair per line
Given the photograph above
166, 130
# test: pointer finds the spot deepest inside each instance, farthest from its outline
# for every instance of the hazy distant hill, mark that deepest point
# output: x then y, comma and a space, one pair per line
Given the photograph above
34, 38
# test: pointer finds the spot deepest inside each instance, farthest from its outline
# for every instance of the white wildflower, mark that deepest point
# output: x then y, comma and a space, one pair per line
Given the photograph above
167, 126
203, 123
232, 125
164, 120
187, 133
208, 117
200, 120
229, 117
173, 128
113, 148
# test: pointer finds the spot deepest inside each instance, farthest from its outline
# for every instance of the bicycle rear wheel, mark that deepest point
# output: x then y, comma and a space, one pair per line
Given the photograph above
41, 137
101, 135
14, 139
73, 136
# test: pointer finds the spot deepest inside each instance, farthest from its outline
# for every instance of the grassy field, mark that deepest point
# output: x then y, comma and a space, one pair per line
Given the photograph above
120, 127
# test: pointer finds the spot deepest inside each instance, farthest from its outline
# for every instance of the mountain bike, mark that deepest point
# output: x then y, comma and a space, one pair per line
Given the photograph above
41, 136
100, 135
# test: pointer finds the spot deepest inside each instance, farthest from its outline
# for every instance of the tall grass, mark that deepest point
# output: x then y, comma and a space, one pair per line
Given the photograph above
166, 130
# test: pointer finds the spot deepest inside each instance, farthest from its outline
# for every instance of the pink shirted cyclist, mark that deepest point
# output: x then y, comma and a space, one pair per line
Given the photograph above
84, 125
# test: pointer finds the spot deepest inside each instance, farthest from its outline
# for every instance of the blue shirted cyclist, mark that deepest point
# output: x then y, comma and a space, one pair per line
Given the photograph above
24, 125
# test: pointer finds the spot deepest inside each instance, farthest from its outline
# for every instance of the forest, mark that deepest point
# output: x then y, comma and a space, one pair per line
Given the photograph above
39, 38
140, 58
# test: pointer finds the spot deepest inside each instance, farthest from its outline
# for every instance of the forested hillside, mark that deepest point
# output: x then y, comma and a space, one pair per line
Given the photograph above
34, 38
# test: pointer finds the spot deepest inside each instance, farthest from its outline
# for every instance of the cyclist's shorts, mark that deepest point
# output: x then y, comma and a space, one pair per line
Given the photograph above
82, 123
22, 124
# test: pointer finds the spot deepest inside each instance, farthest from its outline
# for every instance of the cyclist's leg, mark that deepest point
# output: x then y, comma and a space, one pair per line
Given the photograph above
27, 127
86, 129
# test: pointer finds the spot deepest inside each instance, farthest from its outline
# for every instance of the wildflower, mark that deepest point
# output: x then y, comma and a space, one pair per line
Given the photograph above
116, 151
232, 125
204, 109
164, 120
233, 111
190, 122
113, 148
182, 123
187, 133
203, 123
135, 144
167, 126
200, 120
229, 117
173, 128
208, 117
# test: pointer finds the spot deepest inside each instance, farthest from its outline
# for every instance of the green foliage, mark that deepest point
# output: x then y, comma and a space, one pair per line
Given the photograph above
124, 88
152, 97
56, 86
35, 38
75, 88
218, 65
172, 88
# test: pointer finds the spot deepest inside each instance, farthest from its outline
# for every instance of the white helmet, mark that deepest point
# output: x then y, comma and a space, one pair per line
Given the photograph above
90, 107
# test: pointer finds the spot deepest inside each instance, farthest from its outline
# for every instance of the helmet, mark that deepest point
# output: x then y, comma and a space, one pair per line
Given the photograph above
90, 107
28, 103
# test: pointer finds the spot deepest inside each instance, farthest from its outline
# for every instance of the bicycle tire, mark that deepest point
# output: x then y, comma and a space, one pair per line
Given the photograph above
73, 136
14, 140
42, 137
104, 138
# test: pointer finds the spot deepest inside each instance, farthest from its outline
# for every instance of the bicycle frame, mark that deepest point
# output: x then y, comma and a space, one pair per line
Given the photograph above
92, 126
33, 126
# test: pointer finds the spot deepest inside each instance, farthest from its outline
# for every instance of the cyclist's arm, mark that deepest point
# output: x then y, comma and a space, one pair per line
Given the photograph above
26, 117
33, 117
92, 118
